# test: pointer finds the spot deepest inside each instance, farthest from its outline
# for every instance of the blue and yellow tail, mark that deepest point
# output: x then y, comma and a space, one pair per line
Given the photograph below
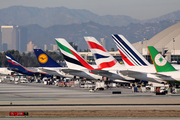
45, 60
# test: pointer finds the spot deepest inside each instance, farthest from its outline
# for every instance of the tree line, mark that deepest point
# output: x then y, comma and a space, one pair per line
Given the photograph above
26, 59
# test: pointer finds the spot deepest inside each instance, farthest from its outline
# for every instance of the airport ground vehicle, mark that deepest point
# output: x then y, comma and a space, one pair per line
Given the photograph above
23, 80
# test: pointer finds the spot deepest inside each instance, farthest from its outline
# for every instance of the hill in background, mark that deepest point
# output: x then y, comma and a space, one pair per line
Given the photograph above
21, 15
134, 32
44, 25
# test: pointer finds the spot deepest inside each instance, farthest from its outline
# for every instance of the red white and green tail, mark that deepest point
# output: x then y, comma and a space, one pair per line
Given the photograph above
72, 58
160, 63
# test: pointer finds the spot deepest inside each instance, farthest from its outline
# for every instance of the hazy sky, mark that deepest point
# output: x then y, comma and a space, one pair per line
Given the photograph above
139, 9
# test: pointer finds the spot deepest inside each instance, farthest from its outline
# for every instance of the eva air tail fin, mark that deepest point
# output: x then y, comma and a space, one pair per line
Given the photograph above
160, 63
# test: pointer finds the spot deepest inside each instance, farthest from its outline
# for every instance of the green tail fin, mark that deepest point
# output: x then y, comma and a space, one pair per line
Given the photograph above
160, 63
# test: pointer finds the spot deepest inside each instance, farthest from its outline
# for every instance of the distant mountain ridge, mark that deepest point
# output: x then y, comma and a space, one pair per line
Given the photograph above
46, 17
75, 33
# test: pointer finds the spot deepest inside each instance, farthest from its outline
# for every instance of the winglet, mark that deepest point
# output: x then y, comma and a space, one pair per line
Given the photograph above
160, 63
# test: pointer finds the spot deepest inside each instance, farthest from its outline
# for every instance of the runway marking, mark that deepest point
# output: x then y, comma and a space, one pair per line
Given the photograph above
28, 99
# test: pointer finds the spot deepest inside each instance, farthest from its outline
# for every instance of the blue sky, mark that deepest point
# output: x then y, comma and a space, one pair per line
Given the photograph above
139, 9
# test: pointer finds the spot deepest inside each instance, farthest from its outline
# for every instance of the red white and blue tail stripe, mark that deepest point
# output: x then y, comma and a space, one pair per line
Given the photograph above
102, 57
129, 54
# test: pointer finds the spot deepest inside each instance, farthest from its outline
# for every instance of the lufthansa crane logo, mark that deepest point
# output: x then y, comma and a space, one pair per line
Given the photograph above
159, 60
43, 58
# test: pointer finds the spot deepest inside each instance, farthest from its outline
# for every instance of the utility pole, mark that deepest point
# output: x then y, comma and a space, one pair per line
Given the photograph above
173, 50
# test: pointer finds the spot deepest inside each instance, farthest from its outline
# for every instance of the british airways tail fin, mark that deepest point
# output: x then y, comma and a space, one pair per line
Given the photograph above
102, 57
129, 54
71, 56
44, 59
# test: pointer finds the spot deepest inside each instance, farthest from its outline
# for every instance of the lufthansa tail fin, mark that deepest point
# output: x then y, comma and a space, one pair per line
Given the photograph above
44, 59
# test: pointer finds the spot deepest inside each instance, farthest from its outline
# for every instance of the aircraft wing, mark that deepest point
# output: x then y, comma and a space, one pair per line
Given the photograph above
129, 72
102, 72
160, 75
46, 70
71, 71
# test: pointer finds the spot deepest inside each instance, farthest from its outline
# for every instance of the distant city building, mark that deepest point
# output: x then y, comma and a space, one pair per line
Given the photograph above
15, 37
45, 47
51, 47
55, 47
22, 38
103, 42
7, 36
30, 46
4, 47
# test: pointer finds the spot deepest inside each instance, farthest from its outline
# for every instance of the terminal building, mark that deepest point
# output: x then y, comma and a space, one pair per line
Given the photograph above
167, 42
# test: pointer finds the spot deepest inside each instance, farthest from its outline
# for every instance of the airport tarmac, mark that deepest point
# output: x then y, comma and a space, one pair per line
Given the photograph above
40, 97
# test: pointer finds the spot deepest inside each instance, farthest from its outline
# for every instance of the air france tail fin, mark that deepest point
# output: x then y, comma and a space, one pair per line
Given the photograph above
129, 54
71, 56
44, 59
102, 57
160, 63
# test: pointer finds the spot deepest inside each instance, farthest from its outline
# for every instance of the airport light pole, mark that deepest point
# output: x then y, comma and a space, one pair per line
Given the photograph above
173, 49
145, 40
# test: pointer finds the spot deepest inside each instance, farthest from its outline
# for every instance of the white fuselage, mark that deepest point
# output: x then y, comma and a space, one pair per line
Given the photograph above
5, 71
149, 73
55, 71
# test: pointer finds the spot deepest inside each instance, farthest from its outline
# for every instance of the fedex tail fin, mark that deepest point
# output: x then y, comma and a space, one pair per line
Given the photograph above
160, 63
102, 57
71, 56
44, 59
129, 54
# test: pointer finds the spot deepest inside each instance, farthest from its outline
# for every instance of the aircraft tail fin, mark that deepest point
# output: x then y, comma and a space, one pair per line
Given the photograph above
102, 57
160, 63
71, 56
129, 54
44, 59
12, 61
